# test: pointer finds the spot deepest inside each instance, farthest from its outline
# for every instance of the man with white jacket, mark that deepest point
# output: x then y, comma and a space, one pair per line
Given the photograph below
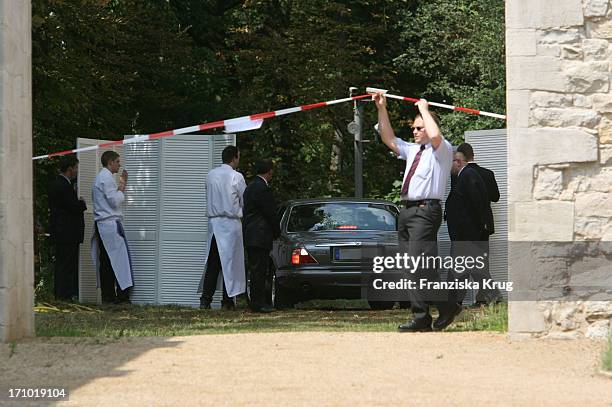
225, 187
109, 247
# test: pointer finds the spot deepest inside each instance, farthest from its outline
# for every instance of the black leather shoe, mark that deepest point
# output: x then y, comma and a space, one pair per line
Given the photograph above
204, 303
264, 310
415, 326
228, 306
447, 318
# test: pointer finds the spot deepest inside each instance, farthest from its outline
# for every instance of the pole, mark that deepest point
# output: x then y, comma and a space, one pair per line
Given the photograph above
356, 128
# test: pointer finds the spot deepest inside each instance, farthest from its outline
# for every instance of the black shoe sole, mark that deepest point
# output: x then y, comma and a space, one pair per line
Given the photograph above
451, 320
414, 326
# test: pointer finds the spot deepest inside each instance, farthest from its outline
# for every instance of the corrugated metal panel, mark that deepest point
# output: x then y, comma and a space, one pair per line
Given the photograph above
89, 164
141, 217
491, 151
185, 163
144, 260
220, 142
182, 267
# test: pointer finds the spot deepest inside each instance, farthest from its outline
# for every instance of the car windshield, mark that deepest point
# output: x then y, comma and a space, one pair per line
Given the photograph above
342, 216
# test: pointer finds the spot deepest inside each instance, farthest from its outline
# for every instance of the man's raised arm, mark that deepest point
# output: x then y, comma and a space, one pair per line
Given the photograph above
433, 131
384, 125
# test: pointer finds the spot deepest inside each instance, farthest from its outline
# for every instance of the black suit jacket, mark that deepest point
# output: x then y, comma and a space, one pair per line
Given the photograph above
67, 220
260, 222
492, 191
466, 207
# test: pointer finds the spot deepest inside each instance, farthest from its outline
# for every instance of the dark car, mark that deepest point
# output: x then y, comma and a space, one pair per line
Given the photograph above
325, 245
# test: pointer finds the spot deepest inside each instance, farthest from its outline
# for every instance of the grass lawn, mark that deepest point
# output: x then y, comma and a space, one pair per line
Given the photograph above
64, 319
607, 357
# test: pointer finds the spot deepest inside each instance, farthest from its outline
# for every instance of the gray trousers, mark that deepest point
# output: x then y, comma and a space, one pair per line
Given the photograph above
418, 234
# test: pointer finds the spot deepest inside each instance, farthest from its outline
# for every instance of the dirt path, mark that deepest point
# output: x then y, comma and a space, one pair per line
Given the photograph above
313, 368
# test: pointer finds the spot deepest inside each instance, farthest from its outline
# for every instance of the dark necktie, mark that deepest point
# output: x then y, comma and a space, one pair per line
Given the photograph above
412, 170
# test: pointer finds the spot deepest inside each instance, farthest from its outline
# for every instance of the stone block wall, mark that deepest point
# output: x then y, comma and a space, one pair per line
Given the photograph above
16, 232
559, 105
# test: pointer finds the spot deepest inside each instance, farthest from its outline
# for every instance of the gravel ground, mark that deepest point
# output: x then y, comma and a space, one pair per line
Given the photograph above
311, 368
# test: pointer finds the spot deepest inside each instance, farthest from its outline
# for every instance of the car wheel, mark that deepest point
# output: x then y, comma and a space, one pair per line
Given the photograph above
279, 298
381, 305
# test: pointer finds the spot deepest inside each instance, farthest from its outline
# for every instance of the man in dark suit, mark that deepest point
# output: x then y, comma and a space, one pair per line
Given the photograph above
484, 296
261, 227
67, 229
465, 217
490, 183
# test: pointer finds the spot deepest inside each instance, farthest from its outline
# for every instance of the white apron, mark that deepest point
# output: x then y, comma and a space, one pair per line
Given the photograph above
228, 233
113, 237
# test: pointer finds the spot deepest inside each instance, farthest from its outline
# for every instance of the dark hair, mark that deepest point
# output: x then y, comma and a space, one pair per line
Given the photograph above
433, 114
228, 154
262, 166
68, 162
466, 150
107, 157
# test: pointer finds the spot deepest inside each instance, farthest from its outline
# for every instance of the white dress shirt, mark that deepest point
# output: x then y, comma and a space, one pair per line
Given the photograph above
225, 187
107, 199
431, 175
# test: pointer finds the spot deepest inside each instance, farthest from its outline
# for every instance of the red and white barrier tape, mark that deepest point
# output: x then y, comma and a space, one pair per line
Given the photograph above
255, 121
239, 124
442, 105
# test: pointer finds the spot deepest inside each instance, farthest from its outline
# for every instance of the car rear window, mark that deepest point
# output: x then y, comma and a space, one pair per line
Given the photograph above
342, 216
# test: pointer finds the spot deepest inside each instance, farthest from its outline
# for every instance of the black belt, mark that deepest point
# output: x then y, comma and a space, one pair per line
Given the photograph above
409, 204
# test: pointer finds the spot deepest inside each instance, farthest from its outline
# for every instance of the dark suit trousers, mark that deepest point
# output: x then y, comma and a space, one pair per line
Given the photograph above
66, 278
418, 230
464, 249
213, 268
258, 268
485, 294
108, 281
474, 248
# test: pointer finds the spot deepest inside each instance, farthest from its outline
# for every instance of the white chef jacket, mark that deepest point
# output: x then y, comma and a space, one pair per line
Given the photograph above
225, 188
107, 201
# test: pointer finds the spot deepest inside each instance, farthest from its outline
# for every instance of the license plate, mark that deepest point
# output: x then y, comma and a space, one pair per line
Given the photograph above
353, 253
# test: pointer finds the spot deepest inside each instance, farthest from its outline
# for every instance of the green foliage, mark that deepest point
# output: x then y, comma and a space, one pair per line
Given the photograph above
106, 69
290, 53
453, 52
12, 349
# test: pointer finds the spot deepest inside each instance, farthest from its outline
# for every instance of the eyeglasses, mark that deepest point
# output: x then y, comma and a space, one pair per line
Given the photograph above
418, 128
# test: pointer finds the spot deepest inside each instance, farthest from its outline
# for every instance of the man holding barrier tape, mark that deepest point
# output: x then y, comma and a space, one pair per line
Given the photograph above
428, 164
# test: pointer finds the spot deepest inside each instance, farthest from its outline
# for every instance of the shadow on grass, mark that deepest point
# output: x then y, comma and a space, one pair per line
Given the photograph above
62, 319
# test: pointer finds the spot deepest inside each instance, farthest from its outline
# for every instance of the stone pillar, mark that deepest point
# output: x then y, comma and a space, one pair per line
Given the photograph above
16, 230
559, 105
